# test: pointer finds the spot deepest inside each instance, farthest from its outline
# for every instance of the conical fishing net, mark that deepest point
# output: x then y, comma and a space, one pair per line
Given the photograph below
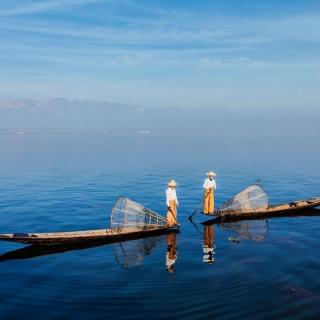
128, 215
252, 199
254, 230
132, 253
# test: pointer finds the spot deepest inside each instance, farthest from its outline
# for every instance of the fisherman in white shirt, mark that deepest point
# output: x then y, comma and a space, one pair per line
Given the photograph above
172, 203
209, 186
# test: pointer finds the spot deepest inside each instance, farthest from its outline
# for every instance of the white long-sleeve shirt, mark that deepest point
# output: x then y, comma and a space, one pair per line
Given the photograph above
171, 195
209, 184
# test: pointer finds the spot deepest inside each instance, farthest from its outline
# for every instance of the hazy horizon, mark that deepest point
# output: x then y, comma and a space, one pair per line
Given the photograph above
62, 114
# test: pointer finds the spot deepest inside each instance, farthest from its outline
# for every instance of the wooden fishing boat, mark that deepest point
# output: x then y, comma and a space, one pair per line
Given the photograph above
35, 251
138, 249
254, 201
103, 235
129, 220
308, 212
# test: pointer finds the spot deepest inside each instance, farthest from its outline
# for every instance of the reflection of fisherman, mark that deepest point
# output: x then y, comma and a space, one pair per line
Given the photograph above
209, 186
172, 252
172, 203
208, 245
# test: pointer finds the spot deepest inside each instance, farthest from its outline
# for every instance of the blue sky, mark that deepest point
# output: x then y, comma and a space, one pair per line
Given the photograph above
232, 55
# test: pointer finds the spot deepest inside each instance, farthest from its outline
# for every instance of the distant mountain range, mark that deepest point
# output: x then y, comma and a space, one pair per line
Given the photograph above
62, 114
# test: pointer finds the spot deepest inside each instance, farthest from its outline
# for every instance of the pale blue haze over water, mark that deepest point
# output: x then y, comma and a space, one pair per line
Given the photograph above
69, 181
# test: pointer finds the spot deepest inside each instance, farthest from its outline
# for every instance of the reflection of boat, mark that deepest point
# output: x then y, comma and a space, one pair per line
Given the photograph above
128, 219
35, 251
132, 253
253, 230
254, 201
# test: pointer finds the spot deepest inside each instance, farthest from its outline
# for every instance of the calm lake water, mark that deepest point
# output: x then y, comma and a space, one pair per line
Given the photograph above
69, 181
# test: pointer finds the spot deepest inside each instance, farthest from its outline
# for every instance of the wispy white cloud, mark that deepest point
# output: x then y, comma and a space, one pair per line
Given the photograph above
247, 64
207, 63
168, 29
127, 60
42, 6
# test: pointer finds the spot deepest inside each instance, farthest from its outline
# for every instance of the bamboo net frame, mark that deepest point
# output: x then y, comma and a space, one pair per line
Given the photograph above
252, 199
128, 215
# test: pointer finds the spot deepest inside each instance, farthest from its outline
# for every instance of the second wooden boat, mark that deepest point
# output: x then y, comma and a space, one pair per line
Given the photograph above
254, 201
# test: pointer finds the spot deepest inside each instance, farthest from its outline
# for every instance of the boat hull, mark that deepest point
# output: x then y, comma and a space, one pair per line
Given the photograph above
311, 212
103, 235
273, 210
34, 251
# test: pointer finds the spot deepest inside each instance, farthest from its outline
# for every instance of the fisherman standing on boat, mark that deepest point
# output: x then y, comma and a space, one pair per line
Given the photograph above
172, 203
209, 186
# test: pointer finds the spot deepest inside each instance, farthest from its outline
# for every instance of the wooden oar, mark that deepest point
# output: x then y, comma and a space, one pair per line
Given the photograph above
190, 218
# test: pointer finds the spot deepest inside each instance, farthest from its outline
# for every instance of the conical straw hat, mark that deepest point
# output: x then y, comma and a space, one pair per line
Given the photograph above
211, 173
172, 183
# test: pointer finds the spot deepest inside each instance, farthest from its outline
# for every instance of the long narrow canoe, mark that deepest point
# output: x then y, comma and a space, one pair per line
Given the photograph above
273, 210
308, 212
254, 201
54, 238
34, 251
129, 220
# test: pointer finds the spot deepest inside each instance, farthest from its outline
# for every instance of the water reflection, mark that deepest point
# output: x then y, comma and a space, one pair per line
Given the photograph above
208, 244
132, 253
172, 251
35, 251
127, 253
253, 230
256, 228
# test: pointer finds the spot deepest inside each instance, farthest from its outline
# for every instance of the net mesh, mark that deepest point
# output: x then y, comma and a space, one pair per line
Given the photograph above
132, 253
253, 230
128, 215
252, 199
